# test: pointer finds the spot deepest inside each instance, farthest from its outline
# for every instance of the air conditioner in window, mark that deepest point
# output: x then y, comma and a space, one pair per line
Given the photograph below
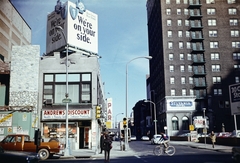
183, 83
172, 82
49, 102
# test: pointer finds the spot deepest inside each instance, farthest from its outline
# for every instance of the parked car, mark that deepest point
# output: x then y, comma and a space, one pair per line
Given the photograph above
155, 139
224, 134
144, 138
236, 154
133, 137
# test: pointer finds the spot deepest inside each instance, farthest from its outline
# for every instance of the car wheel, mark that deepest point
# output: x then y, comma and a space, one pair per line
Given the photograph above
43, 154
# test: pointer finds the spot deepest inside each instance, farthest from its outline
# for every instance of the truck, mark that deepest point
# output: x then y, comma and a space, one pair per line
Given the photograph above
22, 142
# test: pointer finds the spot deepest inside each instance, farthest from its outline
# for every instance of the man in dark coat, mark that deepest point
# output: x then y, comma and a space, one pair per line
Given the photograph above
101, 142
107, 146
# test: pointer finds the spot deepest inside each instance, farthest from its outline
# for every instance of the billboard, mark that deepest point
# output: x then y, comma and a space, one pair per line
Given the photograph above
79, 28
234, 93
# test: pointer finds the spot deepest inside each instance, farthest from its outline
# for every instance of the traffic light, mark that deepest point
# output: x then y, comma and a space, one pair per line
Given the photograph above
124, 122
98, 112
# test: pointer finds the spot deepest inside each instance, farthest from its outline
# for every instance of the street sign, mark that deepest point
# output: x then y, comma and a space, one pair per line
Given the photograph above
66, 100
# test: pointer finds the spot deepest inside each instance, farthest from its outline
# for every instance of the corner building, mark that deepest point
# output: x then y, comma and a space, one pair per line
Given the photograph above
195, 46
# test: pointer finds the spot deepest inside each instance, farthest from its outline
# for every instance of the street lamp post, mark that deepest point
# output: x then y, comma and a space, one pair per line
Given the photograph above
155, 117
66, 152
126, 133
204, 109
116, 119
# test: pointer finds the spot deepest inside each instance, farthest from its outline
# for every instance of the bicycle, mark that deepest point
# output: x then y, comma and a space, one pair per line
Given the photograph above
158, 150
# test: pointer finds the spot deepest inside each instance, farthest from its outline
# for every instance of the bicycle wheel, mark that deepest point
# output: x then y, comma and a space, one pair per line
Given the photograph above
157, 150
170, 150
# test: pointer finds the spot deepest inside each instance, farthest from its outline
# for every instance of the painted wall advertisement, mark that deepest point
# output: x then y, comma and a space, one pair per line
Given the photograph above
79, 28
234, 93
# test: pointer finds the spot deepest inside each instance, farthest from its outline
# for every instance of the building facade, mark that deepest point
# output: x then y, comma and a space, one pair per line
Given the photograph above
195, 50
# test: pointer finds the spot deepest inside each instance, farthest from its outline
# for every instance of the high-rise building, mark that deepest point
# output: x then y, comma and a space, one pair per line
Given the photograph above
195, 45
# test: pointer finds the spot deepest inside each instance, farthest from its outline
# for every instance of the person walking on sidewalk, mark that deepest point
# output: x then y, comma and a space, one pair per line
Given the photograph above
213, 138
107, 146
101, 142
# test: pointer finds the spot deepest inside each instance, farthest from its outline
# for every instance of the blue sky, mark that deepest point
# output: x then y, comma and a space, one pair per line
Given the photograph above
122, 36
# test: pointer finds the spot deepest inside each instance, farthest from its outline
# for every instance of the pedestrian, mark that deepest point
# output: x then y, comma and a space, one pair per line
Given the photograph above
107, 146
101, 142
213, 138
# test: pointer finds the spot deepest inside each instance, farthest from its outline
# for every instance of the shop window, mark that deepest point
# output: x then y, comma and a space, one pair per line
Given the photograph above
175, 123
185, 123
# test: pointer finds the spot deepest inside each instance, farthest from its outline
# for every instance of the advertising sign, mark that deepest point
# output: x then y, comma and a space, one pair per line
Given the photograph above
234, 93
109, 113
78, 28
180, 103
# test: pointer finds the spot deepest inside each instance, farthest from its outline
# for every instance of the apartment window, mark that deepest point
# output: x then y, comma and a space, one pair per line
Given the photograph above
215, 68
169, 22
186, 22
232, 11
212, 33
170, 45
179, 11
231, 1
212, 22
173, 92
227, 104
177, 1
190, 80
236, 56
168, 11
213, 45
210, 1
172, 80
236, 66
181, 56
180, 45
217, 91
180, 33
234, 33
183, 80
179, 22
171, 68
211, 11
236, 44
186, 11
187, 34
184, 92
185, 1
169, 33
189, 57
188, 45
236, 79
189, 68
182, 68
216, 79
215, 56
170, 56
233, 22
168, 2
191, 92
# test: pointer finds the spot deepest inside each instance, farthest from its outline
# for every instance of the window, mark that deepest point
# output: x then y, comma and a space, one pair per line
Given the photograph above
189, 57
186, 11
170, 56
227, 104
180, 45
212, 33
186, 22
233, 22
184, 92
212, 22
188, 45
182, 69
185, 123
180, 33
172, 80
179, 22
236, 44
191, 92
171, 68
215, 68
168, 2
169, 33
179, 11
183, 80
175, 123
190, 80
210, 1
236, 79
234, 33
177, 1
181, 56
216, 79
236, 66
211, 11
236, 56
232, 11
215, 56
169, 22
185, 1
168, 11
170, 45
213, 45
217, 91
231, 1
187, 34
172, 92
189, 68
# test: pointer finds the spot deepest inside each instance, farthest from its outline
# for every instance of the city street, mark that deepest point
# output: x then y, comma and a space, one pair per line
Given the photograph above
142, 152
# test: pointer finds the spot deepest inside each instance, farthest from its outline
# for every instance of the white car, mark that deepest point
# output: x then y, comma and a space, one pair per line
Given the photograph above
133, 137
156, 139
144, 138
